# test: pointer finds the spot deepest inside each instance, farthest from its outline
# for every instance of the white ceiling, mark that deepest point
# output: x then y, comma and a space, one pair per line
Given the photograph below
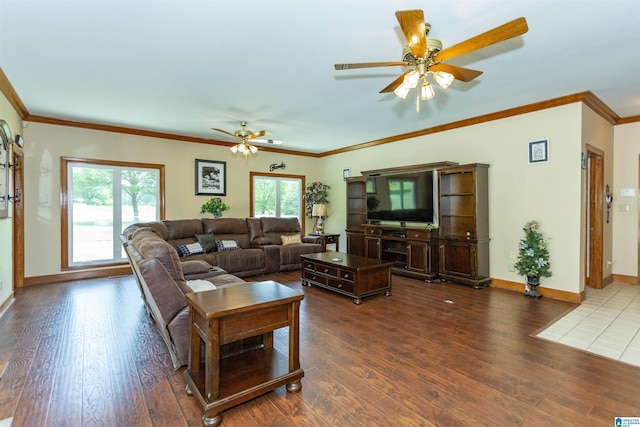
183, 67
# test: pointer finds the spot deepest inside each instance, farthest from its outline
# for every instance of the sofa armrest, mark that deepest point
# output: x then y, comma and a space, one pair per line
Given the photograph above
196, 266
271, 258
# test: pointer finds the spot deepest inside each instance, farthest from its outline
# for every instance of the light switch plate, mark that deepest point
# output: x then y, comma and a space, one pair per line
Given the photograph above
627, 192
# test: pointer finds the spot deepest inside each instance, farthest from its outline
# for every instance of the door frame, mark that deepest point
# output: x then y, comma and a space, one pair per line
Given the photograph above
18, 217
594, 232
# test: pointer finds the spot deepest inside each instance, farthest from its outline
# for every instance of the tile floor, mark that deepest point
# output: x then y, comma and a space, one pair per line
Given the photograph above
606, 323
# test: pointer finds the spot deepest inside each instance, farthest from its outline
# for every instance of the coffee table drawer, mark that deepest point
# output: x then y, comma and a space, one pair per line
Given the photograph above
346, 275
340, 285
314, 277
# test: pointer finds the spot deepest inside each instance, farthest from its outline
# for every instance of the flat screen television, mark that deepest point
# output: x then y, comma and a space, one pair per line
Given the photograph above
402, 197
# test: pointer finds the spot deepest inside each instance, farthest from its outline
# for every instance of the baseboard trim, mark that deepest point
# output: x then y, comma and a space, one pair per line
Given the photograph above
632, 280
7, 303
549, 293
77, 275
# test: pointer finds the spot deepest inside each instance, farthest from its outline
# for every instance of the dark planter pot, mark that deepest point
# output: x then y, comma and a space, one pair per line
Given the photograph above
532, 283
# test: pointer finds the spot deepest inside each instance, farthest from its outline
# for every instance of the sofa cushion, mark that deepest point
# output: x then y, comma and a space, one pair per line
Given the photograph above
227, 245
228, 229
191, 249
208, 242
183, 228
293, 239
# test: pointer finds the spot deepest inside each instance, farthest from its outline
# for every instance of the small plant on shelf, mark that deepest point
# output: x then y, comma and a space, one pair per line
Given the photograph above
214, 206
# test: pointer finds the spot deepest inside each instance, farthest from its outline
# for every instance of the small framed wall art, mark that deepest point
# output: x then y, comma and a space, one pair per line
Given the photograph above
211, 178
539, 151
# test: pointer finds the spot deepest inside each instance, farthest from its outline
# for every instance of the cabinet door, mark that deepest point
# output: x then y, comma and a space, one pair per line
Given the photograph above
418, 257
372, 247
458, 258
355, 244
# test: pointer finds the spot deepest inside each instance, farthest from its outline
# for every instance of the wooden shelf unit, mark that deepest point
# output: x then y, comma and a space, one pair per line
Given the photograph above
464, 224
356, 214
413, 251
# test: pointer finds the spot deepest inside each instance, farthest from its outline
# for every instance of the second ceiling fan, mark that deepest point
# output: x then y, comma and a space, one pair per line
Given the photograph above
425, 55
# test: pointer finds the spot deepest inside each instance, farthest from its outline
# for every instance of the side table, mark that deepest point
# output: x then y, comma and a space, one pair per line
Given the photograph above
328, 239
230, 314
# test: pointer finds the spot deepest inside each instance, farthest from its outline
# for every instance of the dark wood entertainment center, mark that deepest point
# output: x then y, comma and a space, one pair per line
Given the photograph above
455, 249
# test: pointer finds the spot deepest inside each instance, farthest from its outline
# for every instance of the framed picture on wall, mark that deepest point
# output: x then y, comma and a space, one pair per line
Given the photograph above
5, 140
211, 178
539, 151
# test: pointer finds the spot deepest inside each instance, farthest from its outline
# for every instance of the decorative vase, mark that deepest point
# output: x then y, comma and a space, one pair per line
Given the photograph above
532, 287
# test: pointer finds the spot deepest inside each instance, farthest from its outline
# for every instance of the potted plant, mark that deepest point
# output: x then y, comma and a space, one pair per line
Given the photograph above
533, 258
214, 206
317, 193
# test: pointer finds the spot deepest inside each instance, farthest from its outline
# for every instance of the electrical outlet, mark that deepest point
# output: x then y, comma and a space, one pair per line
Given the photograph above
512, 254
511, 268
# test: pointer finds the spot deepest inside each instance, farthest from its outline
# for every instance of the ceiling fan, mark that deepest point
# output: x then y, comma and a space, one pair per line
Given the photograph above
425, 55
244, 135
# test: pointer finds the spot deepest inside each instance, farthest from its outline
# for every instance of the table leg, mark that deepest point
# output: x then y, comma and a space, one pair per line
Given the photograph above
294, 345
212, 361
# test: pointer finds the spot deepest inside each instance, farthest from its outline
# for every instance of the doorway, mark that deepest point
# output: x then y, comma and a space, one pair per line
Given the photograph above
18, 217
594, 222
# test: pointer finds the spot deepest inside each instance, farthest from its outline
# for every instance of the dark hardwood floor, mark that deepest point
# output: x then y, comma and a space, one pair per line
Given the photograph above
432, 354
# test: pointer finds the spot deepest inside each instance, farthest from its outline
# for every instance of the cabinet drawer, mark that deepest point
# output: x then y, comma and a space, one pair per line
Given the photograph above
373, 231
418, 234
346, 275
329, 271
314, 277
340, 284
309, 266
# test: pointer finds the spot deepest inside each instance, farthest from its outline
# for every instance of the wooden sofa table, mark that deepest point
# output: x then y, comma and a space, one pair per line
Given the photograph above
347, 274
227, 315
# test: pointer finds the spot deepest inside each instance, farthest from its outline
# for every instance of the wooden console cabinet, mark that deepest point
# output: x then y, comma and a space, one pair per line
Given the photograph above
413, 251
356, 215
464, 224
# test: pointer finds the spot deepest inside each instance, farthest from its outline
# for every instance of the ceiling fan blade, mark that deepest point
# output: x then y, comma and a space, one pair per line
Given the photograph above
369, 65
223, 131
412, 24
503, 32
394, 84
462, 74
259, 134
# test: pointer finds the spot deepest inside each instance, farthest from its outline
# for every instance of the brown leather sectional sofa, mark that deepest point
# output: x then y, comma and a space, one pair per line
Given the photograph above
163, 275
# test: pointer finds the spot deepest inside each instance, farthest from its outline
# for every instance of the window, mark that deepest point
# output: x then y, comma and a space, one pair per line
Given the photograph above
100, 199
277, 196
402, 193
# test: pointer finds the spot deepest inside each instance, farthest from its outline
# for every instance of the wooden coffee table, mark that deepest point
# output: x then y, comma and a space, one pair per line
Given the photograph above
227, 315
350, 275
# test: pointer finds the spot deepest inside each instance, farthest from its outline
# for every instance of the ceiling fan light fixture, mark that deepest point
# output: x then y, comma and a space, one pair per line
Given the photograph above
403, 90
443, 78
426, 91
412, 78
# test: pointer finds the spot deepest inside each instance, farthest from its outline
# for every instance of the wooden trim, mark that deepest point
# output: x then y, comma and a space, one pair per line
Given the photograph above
6, 303
632, 280
595, 225
593, 102
154, 134
302, 178
77, 275
422, 167
64, 200
630, 119
7, 89
547, 292
18, 217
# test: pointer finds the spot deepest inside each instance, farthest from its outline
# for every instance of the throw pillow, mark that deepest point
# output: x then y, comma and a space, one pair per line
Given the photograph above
227, 245
208, 242
199, 285
190, 249
291, 240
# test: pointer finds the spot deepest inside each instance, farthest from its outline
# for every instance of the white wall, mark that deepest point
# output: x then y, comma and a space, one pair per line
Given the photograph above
625, 223
9, 115
47, 143
518, 191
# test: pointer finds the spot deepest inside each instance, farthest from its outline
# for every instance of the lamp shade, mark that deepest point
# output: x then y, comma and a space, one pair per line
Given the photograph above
319, 209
